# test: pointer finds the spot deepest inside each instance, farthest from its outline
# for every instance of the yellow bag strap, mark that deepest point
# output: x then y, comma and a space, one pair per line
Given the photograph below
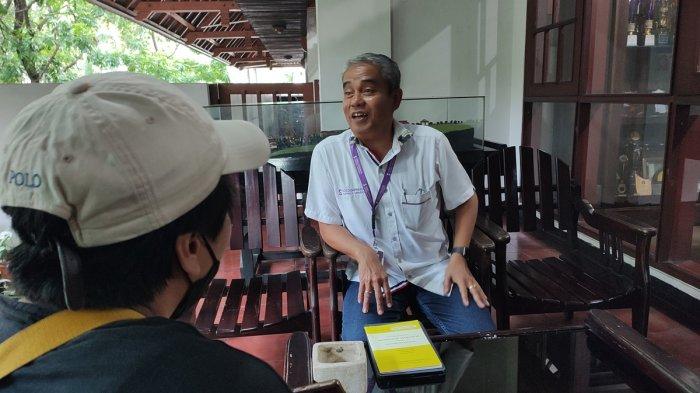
53, 331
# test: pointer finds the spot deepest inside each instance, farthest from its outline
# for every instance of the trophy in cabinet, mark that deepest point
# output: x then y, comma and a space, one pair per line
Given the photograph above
621, 175
663, 29
649, 39
632, 24
630, 168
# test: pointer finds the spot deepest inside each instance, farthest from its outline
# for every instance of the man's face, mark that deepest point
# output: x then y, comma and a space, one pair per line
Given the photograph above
367, 103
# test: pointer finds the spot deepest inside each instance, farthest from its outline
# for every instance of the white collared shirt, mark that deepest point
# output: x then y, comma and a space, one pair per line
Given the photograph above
408, 226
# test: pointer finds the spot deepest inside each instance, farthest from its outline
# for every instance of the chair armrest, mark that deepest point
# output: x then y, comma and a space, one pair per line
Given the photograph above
328, 251
332, 386
310, 244
614, 223
631, 348
493, 231
297, 362
481, 242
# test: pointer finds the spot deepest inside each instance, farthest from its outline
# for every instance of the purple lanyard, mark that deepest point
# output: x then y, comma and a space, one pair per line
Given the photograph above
365, 186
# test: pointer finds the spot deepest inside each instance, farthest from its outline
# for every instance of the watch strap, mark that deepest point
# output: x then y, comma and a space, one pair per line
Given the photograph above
463, 251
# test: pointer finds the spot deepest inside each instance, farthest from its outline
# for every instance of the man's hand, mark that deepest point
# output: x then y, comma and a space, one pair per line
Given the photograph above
373, 281
458, 273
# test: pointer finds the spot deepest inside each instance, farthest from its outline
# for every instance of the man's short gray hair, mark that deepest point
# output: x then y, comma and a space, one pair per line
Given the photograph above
387, 67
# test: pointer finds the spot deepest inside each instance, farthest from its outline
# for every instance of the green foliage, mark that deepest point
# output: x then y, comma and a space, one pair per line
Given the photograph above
59, 40
5, 244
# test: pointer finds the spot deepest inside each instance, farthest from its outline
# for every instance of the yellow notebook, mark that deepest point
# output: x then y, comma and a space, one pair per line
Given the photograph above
402, 348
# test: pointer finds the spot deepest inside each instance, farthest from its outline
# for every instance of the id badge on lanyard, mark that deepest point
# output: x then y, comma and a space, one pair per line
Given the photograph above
373, 203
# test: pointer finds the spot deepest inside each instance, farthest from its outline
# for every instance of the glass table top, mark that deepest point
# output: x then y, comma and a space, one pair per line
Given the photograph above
539, 361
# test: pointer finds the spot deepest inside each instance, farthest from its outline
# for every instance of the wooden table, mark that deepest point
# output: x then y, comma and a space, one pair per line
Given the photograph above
603, 355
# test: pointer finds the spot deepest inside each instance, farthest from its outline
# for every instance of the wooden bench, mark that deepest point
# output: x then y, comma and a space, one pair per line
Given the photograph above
545, 204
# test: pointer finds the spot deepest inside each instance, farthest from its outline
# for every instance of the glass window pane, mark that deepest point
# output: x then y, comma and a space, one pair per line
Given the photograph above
551, 68
553, 128
624, 164
566, 9
684, 200
539, 57
567, 52
631, 43
544, 12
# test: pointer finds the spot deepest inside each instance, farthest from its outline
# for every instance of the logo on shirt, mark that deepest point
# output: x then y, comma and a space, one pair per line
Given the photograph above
350, 191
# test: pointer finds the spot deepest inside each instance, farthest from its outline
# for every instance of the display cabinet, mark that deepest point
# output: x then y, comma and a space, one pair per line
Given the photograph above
614, 87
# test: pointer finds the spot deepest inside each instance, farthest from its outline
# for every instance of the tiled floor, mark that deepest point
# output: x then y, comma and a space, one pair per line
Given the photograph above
671, 336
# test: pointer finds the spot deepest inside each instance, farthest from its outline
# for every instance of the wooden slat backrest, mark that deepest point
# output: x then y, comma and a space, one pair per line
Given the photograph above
289, 204
477, 177
251, 314
564, 201
527, 178
236, 241
273, 300
212, 299
295, 300
229, 317
494, 183
272, 215
546, 193
252, 202
511, 184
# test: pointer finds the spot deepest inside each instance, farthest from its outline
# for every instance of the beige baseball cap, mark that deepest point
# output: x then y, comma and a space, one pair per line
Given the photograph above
119, 155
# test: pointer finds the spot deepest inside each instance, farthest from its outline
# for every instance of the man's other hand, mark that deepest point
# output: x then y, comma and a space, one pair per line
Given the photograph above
373, 282
458, 273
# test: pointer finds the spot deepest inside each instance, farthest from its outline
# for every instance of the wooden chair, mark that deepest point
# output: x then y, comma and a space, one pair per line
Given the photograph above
581, 277
245, 298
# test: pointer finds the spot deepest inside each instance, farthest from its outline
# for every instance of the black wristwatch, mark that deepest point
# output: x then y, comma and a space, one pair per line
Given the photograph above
463, 251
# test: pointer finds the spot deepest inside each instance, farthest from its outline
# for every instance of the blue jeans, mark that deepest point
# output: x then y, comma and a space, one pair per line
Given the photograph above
448, 314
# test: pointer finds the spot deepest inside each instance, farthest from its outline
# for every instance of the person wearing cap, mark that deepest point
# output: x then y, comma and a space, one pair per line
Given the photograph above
375, 191
116, 186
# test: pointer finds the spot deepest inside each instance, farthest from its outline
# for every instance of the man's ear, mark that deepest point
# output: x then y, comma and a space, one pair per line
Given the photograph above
188, 246
398, 95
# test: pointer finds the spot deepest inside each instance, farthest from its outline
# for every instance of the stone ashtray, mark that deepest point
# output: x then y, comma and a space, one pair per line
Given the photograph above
345, 361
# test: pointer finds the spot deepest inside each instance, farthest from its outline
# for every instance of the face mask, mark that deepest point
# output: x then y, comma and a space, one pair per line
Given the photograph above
197, 288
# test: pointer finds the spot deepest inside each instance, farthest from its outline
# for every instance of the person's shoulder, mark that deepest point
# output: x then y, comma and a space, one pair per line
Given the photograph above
424, 134
333, 142
192, 359
419, 130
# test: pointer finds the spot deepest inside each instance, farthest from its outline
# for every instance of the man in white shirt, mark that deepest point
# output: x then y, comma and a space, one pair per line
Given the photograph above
374, 191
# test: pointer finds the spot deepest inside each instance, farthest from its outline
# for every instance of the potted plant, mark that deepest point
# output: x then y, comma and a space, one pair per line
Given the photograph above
6, 245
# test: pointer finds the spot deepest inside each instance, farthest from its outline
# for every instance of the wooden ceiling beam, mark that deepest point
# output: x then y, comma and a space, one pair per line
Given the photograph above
192, 36
145, 8
217, 50
254, 59
185, 6
182, 21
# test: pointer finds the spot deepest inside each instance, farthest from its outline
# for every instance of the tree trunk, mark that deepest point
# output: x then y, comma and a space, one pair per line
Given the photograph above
27, 57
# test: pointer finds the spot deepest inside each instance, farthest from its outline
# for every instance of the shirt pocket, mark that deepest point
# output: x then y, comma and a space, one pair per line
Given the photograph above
417, 206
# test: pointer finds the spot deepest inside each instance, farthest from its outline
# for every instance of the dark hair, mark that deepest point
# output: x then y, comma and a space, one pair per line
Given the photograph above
124, 274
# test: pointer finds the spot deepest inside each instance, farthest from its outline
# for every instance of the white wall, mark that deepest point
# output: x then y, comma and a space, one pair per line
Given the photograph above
345, 29
462, 48
14, 97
